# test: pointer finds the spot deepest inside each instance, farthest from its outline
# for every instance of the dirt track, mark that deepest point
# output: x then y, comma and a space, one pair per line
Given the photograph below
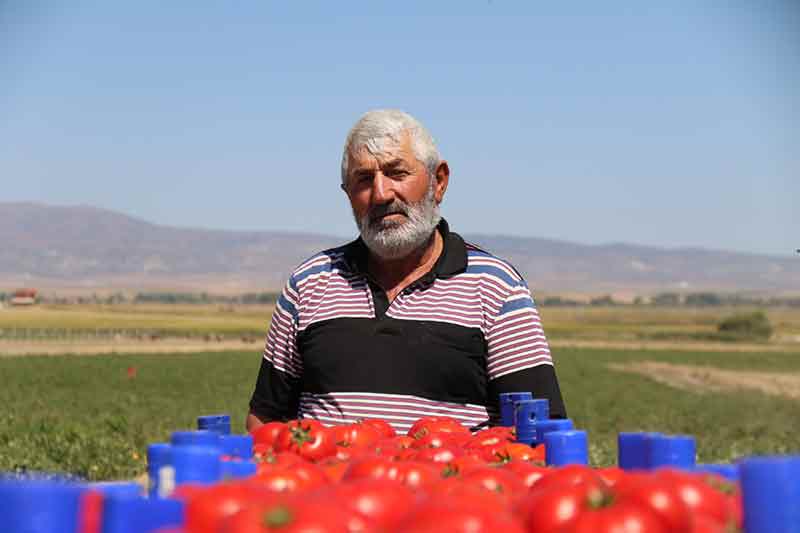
703, 379
16, 348
8, 349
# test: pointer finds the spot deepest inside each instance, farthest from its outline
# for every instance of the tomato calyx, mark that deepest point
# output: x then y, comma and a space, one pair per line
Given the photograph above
301, 435
599, 499
277, 517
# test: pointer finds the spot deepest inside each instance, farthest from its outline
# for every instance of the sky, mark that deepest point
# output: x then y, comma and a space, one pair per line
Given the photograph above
660, 123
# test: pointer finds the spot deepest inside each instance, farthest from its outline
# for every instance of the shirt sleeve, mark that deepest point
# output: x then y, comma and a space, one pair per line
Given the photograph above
519, 358
277, 391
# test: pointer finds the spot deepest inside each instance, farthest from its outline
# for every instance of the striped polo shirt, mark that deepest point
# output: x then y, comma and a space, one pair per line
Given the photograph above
338, 351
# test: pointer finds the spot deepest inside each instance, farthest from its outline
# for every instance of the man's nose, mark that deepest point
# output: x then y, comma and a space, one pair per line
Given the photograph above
382, 190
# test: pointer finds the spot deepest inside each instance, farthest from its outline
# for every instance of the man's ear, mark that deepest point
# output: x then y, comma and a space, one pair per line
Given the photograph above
442, 179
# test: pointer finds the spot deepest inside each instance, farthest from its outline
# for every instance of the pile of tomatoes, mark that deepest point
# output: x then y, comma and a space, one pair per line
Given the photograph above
440, 477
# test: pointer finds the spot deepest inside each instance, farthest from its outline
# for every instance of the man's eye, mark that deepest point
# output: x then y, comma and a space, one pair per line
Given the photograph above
398, 172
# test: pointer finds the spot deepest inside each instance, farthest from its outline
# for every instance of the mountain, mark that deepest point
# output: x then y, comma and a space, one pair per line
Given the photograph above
80, 246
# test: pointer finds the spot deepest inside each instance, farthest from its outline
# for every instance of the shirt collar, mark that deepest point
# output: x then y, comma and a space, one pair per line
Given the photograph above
452, 261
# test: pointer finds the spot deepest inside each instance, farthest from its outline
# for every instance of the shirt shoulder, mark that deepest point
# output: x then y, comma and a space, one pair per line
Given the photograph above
480, 262
320, 265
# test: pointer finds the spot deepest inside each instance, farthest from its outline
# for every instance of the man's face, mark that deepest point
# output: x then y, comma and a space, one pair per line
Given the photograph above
394, 200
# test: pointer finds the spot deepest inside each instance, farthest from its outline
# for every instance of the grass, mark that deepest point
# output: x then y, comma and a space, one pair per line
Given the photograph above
582, 323
84, 416
166, 320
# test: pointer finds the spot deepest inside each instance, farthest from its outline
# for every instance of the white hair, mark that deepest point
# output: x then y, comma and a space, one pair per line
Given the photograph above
375, 128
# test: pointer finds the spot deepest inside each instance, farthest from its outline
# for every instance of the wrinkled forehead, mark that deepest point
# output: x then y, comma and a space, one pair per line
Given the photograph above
379, 151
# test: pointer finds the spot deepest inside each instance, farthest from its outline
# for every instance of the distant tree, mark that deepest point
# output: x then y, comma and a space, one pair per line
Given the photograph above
702, 299
666, 298
751, 326
602, 300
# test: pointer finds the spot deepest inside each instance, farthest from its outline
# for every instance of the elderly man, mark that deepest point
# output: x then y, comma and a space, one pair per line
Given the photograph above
408, 320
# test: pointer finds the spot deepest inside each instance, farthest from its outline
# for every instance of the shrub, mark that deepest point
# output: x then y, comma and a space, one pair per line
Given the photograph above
752, 326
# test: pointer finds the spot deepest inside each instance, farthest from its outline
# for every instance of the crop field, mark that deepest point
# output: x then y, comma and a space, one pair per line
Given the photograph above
616, 323
87, 416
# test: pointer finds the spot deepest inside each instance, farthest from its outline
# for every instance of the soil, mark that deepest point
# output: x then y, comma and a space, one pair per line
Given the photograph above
704, 379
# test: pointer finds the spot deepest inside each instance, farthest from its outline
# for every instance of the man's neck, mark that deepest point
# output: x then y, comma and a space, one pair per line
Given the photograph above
394, 275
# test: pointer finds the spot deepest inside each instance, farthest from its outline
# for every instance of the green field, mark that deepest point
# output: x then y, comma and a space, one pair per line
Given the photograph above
83, 415
614, 323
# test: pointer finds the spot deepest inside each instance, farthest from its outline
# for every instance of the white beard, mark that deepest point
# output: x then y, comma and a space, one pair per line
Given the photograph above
395, 240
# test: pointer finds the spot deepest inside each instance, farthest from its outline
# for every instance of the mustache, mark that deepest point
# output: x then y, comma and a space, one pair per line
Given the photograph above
396, 207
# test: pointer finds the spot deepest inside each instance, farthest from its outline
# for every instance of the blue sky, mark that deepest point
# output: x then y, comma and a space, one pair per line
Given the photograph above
671, 124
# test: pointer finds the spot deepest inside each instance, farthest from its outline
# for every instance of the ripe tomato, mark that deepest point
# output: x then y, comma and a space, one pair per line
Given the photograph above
490, 437
496, 480
273, 460
384, 503
553, 509
457, 515
611, 474
438, 440
462, 465
444, 454
291, 516
334, 468
207, 509
569, 475
622, 517
509, 451
382, 426
659, 496
416, 474
355, 435
307, 438
528, 473
698, 495
372, 468
437, 424
393, 446
265, 435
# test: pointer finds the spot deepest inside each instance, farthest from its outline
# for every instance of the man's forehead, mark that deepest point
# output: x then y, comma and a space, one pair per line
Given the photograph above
389, 152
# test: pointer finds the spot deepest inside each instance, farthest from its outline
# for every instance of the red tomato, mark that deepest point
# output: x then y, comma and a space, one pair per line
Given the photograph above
611, 474
416, 474
372, 468
384, 503
444, 454
438, 440
333, 468
496, 480
569, 475
382, 426
207, 509
698, 495
659, 496
704, 524
462, 465
551, 510
307, 438
392, 446
355, 435
291, 516
490, 437
295, 478
266, 434
437, 424
274, 460
471, 494
623, 517
529, 473
509, 451
457, 515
